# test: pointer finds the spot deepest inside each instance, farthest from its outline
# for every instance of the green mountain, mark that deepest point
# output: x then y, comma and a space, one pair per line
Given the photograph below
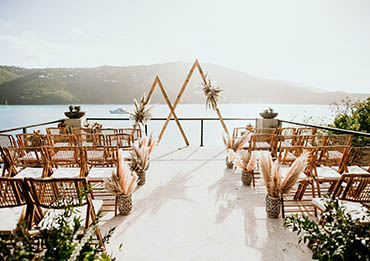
119, 85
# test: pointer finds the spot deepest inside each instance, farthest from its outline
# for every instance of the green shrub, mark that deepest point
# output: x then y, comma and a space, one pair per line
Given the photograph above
337, 237
57, 242
353, 116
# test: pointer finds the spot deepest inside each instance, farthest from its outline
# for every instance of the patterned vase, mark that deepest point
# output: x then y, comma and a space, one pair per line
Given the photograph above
124, 203
141, 178
247, 177
272, 206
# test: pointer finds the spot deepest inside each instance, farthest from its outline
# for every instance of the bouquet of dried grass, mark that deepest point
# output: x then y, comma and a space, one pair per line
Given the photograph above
246, 161
121, 182
141, 114
234, 143
147, 142
140, 162
212, 94
271, 173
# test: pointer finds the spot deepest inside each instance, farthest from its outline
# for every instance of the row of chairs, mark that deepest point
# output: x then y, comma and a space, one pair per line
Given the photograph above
43, 199
288, 131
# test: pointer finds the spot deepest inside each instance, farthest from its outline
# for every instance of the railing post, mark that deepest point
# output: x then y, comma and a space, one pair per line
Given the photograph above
201, 132
24, 130
146, 130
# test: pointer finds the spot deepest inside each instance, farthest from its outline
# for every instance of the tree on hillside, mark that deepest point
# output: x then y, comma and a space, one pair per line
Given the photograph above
353, 115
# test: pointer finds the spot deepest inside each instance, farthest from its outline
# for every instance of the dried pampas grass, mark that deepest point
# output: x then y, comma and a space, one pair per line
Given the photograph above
212, 94
234, 143
271, 173
245, 161
121, 181
141, 114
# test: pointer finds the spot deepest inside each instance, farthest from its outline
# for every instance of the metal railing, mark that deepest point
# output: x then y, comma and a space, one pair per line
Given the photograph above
201, 120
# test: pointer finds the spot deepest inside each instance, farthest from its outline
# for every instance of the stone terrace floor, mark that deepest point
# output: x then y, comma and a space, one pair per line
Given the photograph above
193, 208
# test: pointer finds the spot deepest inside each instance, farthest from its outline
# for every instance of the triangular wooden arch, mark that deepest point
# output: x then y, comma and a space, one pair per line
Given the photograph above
195, 65
158, 82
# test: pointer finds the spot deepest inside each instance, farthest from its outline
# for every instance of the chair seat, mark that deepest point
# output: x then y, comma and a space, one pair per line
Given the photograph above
9, 218
51, 214
100, 173
327, 173
30, 173
353, 169
66, 173
284, 172
262, 145
63, 156
355, 209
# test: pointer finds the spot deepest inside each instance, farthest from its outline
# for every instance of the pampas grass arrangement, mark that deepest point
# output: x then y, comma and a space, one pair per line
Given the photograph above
141, 114
139, 162
234, 143
147, 142
121, 182
271, 173
245, 161
212, 94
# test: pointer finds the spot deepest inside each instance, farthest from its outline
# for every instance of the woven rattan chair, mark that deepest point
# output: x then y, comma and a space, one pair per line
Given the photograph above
52, 195
353, 192
64, 162
13, 202
24, 162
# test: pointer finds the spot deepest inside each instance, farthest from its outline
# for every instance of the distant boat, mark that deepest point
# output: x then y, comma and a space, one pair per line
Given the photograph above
118, 111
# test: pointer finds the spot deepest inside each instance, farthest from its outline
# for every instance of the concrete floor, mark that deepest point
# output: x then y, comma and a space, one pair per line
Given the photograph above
192, 208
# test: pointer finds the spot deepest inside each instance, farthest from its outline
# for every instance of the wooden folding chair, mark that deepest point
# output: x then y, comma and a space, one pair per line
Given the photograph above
54, 194
313, 140
240, 131
123, 141
266, 142
286, 131
6, 141
339, 140
24, 162
135, 132
57, 131
14, 204
90, 139
64, 162
353, 191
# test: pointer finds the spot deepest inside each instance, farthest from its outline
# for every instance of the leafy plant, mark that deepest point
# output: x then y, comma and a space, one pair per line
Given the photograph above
212, 94
141, 114
337, 237
271, 173
74, 108
353, 116
58, 241
269, 110
121, 182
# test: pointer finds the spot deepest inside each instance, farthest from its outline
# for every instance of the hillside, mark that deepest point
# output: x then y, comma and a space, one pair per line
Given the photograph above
118, 85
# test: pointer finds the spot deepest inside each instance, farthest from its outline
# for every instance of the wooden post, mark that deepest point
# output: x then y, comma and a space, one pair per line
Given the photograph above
172, 111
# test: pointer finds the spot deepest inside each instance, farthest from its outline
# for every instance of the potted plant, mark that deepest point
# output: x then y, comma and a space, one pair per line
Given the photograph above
121, 184
268, 113
276, 186
235, 144
74, 112
246, 162
140, 162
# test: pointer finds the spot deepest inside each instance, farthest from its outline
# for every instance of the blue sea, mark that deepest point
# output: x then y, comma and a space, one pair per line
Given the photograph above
12, 116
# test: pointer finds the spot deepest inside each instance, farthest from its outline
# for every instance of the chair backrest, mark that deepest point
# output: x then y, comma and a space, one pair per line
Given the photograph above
7, 140
62, 157
265, 131
30, 140
338, 140
56, 130
12, 192
135, 132
81, 131
360, 156
286, 131
306, 131
107, 131
313, 140
90, 139
353, 187
333, 156
101, 156
287, 155
121, 140
61, 140
240, 131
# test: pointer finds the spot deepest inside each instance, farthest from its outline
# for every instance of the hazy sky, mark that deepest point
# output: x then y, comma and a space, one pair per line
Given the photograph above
316, 43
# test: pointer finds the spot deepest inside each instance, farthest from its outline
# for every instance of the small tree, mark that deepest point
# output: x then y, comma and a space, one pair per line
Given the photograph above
353, 116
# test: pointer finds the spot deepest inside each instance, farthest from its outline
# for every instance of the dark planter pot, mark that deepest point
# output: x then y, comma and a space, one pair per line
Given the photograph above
74, 115
273, 206
268, 115
141, 178
247, 177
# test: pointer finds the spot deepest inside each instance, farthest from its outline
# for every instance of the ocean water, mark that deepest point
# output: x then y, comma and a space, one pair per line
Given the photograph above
12, 116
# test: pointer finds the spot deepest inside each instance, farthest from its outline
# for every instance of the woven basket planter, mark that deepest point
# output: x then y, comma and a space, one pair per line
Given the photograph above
124, 204
229, 164
272, 206
141, 177
247, 177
